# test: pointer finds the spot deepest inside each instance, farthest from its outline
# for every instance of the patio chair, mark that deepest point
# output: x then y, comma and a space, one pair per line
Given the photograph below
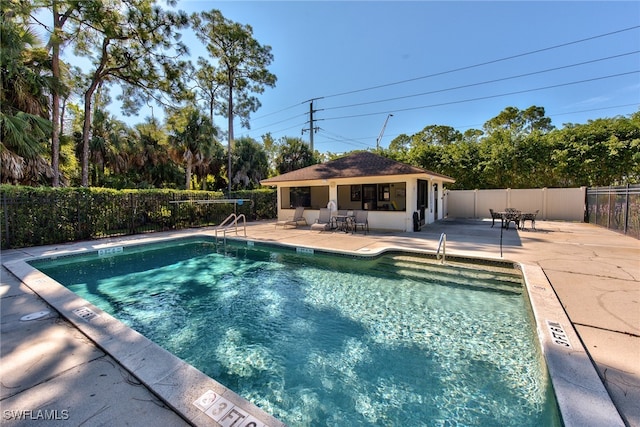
340, 220
529, 216
494, 216
298, 218
323, 222
361, 219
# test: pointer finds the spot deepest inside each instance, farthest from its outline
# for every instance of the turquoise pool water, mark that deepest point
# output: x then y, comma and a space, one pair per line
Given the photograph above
320, 340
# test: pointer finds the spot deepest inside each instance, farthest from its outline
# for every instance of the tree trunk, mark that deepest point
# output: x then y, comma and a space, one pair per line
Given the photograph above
55, 107
187, 185
86, 129
63, 108
230, 124
212, 104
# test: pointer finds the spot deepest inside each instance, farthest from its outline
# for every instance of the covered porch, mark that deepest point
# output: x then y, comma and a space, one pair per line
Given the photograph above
397, 196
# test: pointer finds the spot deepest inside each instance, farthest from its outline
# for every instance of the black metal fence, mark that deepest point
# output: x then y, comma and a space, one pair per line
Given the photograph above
616, 208
32, 217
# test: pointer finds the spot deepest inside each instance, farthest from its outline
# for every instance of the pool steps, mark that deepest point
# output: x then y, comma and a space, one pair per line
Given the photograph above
486, 277
497, 276
503, 269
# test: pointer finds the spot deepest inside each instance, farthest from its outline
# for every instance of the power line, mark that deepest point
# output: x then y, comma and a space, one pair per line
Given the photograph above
595, 109
462, 101
278, 122
564, 114
477, 125
459, 87
452, 71
485, 82
358, 141
468, 67
276, 112
333, 136
298, 125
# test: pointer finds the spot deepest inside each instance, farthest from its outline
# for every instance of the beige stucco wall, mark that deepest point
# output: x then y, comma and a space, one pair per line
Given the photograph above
552, 203
401, 220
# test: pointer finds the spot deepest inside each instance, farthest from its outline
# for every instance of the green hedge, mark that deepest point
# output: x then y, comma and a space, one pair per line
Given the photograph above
32, 216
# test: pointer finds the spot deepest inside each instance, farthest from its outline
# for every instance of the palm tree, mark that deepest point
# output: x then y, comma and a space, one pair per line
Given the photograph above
152, 157
293, 154
24, 124
250, 164
192, 139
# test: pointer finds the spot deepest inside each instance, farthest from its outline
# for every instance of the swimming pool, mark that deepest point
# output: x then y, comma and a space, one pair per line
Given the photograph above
325, 340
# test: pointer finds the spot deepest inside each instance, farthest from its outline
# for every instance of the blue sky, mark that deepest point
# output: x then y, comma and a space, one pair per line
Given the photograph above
337, 51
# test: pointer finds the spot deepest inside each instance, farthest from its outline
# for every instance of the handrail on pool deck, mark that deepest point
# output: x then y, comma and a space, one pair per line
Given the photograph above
442, 243
224, 226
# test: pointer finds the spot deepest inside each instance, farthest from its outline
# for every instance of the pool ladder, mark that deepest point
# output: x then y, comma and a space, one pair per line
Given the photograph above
442, 244
231, 224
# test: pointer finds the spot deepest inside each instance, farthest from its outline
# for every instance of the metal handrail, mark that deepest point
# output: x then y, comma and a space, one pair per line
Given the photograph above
228, 223
442, 243
223, 223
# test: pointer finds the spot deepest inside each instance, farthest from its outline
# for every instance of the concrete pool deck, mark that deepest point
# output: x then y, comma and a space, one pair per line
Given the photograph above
49, 364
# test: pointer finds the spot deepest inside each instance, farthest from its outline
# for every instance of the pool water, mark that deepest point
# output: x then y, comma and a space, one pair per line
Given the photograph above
320, 340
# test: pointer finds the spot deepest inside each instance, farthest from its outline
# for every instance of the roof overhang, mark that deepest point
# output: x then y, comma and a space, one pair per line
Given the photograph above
357, 180
356, 167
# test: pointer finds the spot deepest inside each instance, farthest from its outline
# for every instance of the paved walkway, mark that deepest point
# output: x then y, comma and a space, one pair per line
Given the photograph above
51, 374
47, 365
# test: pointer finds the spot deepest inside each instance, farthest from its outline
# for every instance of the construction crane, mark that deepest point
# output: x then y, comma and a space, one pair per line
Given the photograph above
382, 131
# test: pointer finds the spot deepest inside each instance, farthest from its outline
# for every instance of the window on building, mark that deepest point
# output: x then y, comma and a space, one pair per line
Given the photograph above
308, 197
381, 197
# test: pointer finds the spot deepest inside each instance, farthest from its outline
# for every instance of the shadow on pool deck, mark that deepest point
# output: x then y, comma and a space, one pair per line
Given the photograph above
49, 365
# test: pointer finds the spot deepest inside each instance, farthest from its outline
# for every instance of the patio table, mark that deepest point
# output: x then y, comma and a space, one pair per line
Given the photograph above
343, 222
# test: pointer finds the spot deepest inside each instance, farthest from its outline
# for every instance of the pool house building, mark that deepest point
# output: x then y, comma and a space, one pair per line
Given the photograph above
394, 193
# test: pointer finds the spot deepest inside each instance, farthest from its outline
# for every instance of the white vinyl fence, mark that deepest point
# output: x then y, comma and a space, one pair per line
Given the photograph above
567, 204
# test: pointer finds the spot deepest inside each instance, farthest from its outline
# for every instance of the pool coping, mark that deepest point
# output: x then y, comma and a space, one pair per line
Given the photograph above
580, 393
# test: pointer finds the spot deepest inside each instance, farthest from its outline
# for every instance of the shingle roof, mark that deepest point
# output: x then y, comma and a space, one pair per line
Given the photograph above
356, 165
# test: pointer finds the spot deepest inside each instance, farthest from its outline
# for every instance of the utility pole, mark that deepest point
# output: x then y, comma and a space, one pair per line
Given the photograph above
311, 129
311, 126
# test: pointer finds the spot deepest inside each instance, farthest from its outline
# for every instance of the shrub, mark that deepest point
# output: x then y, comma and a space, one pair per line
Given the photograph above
31, 216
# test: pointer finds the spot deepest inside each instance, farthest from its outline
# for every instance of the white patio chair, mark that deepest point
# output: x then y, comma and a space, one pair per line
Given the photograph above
361, 219
323, 222
298, 218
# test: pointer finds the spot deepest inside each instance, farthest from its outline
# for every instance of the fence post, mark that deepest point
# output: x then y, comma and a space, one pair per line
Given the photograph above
587, 213
7, 236
626, 210
609, 210
79, 231
597, 208
132, 214
176, 211
475, 203
586, 206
